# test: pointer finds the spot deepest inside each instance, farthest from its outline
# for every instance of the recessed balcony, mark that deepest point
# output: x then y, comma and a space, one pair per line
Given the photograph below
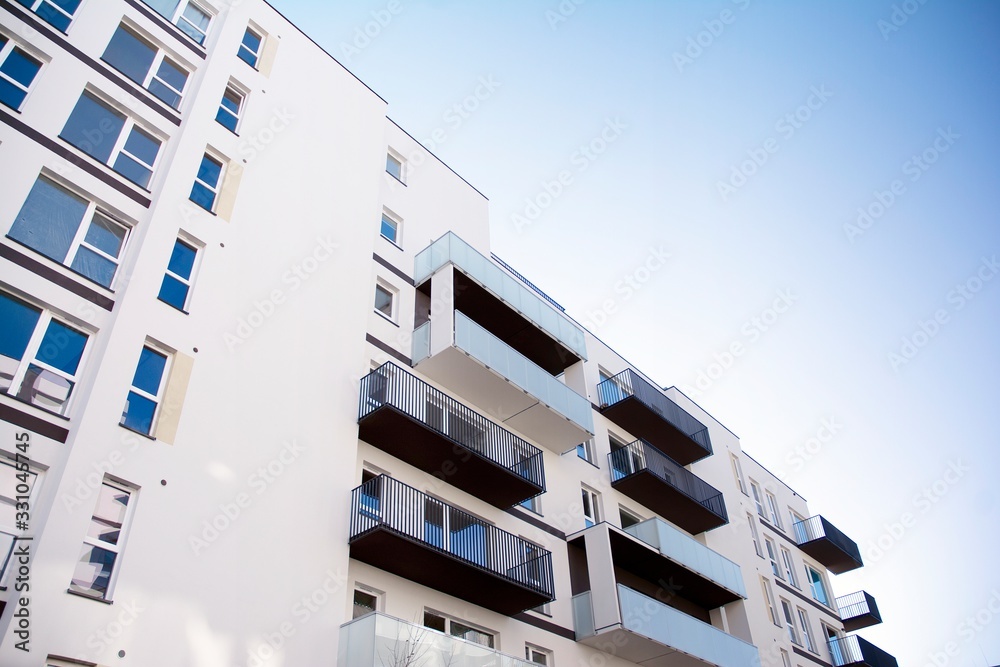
401, 414
853, 651
377, 640
647, 475
643, 410
413, 535
858, 610
642, 630
820, 539
475, 364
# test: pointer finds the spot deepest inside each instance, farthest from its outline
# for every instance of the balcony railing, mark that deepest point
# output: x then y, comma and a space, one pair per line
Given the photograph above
409, 533
654, 630
853, 650
820, 539
646, 474
413, 421
377, 640
644, 411
451, 248
858, 610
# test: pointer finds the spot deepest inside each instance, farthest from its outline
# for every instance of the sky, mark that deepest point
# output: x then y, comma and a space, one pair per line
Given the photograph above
788, 210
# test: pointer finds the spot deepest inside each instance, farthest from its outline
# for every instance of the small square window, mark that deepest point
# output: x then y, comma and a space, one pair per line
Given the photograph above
205, 190
394, 166
537, 656
231, 108
366, 601
585, 450
390, 228
250, 47
385, 301
17, 72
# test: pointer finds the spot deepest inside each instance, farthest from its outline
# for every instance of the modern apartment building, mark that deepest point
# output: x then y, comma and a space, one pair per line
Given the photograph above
267, 397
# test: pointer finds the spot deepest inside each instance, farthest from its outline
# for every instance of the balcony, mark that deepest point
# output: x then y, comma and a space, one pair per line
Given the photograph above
377, 640
503, 304
406, 417
647, 475
858, 610
643, 410
487, 372
853, 650
650, 633
820, 539
413, 535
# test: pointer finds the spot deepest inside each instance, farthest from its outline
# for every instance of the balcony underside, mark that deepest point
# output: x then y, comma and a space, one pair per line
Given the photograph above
422, 447
502, 400
640, 559
860, 622
634, 647
641, 421
832, 556
388, 550
679, 508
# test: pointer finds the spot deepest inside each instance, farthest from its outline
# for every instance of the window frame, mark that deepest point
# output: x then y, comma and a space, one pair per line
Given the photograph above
738, 473
393, 294
757, 499
448, 629
262, 36
216, 190
33, 8
161, 388
772, 555
789, 618
179, 16
545, 653
754, 535
803, 617
160, 54
28, 53
769, 601
243, 95
185, 240
377, 595
810, 570
772, 507
398, 159
593, 499
788, 563
119, 547
585, 451
393, 220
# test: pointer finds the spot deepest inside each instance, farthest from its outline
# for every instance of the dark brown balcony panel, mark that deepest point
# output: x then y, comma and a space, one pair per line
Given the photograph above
858, 610
820, 539
643, 410
406, 417
853, 651
413, 535
647, 475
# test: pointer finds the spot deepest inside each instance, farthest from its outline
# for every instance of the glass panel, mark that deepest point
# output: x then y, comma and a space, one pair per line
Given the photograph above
139, 412
174, 77
143, 146
20, 67
11, 95
97, 267
202, 196
393, 166
129, 54
109, 515
209, 171
194, 24
48, 12
165, 8
229, 109
45, 389
19, 321
49, 219
93, 127
132, 170
250, 48
182, 259
62, 347
149, 372
383, 301
173, 292
106, 235
93, 570
389, 229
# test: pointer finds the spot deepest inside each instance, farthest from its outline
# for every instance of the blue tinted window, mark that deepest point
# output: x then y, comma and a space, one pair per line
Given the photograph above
19, 321
49, 10
203, 190
62, 347
182, 259
139, 412
250, 48
49, 219
16, 74
129, 55
149, 372
173, 291
93, 127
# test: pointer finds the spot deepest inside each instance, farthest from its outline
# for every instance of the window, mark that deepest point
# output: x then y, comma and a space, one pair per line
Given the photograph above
231, 108
70, 230
533, 504
757, 498
793, 633
17, 72
591, 507
193, 22
57, 13
818, 586
112, 138
585, 450
772, 508
459, 629
207, 182
797, 527
610, 392
146, 393
385, 301
371, 495
140, 60
96, 569
836, 651
754, 536
390, 228
537, 656
772, 555
394, 166
16, 485
806, 632
769, 600
250, 47
39, 355
366, 600
785, 660
628, 518
627, 460
789, 567
176, 286
738, 473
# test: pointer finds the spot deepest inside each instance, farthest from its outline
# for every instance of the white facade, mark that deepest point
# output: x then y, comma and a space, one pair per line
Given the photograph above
260, 260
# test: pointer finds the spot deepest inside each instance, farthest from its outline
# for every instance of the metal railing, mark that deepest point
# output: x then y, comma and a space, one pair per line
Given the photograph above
640, 455
629, 383
536, 288
857, 604
390, 385
851, 650
388, 504
816, 527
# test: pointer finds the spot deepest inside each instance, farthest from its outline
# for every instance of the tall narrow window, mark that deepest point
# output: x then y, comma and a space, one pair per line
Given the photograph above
769, 601
205, 190
102, 547
757, 499
39, 355
817, 585
71, 230
57, 13
738, 472
785, 660
146, 393
754, 536
231, 108
250, 47
585, 450
591, 507
17, 72
176, 286
806, 631
140, 60
772, 508
772, 555
793, 634
789, 567
394, 166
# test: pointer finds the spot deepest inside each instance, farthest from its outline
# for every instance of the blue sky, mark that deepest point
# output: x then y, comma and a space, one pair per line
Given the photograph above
824, 179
